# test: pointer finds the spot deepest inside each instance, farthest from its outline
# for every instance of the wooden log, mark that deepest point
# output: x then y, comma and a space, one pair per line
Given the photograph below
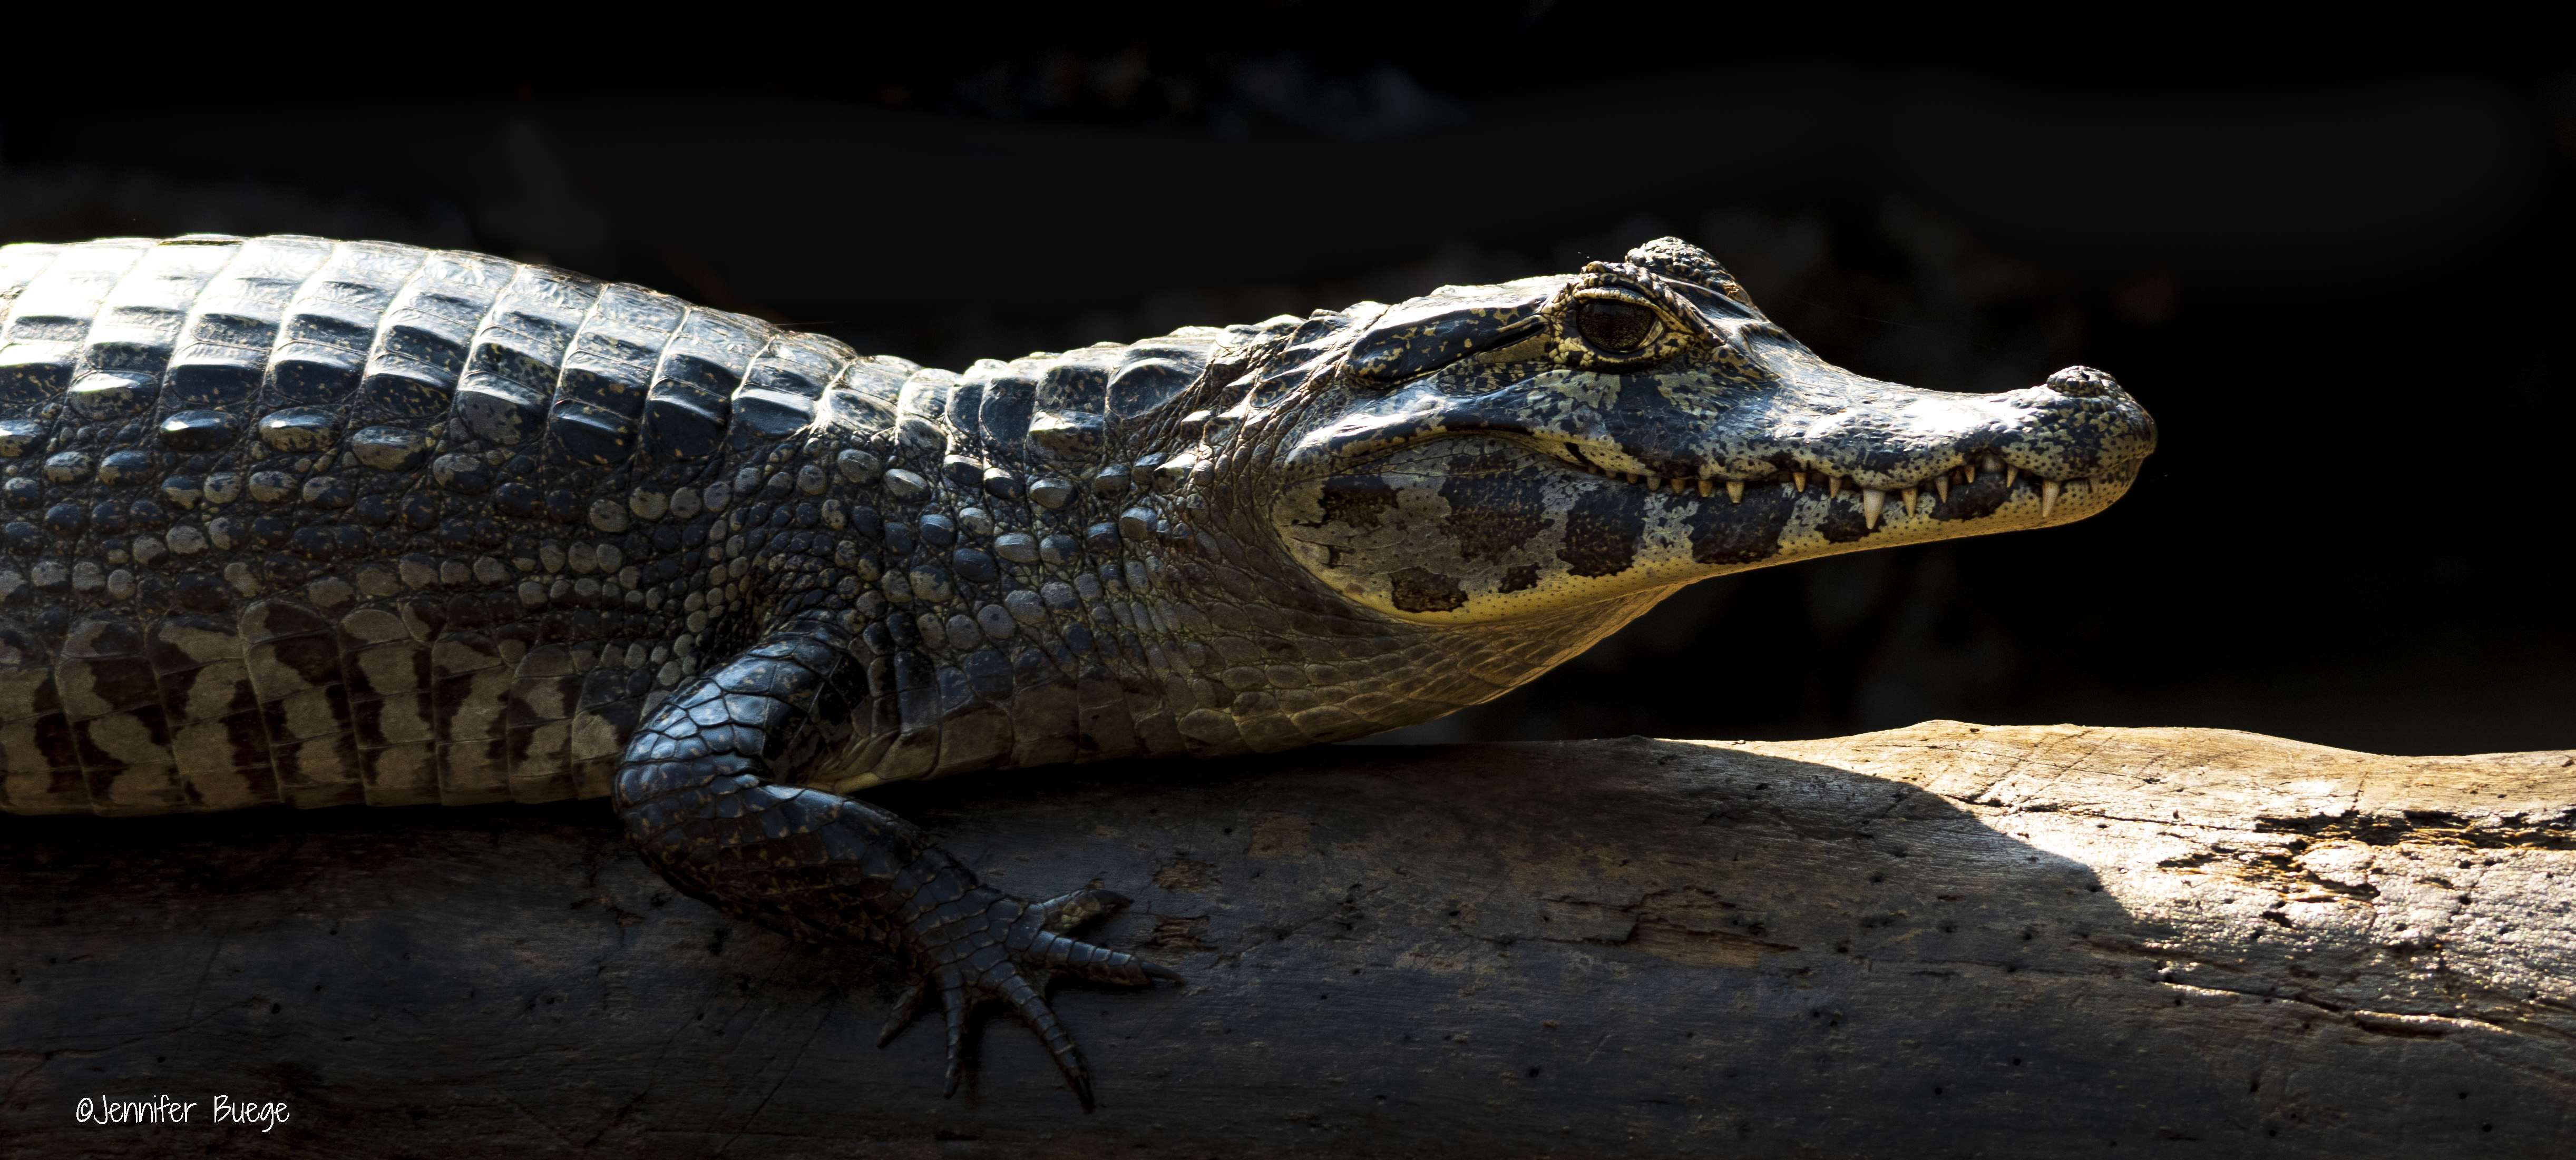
1948, 940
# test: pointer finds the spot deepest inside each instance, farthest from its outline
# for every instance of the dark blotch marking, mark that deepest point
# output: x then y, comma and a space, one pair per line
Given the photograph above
1493, 509
1842, 523
1740, 533
315, 658
1421, 590
1601, 532
1969, 501
1356, 499
1520, 579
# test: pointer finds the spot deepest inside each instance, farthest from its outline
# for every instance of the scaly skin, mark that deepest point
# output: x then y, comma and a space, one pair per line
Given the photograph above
312, 523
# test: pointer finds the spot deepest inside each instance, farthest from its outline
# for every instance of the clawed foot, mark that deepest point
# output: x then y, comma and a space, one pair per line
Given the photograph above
985, 944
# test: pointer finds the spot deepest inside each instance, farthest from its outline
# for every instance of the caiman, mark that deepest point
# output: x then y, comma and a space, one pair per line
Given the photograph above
289, 521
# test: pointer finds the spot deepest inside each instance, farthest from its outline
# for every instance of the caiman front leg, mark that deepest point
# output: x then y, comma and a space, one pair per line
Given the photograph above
697, 793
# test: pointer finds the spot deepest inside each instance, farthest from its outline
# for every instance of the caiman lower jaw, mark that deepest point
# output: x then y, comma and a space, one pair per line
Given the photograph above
1470, 529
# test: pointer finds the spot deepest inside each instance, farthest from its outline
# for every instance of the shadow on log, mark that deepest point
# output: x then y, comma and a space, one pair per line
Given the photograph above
1937, 941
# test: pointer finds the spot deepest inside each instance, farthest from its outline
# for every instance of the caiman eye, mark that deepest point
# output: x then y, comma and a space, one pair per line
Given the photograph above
1613, 326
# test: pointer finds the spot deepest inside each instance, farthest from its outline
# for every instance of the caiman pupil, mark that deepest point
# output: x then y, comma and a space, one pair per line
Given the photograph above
1614, 326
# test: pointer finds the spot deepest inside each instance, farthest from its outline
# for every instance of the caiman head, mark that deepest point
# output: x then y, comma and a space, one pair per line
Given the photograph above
1565, 450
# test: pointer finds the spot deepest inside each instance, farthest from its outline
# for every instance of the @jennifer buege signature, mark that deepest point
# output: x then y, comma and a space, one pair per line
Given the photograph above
161, 1109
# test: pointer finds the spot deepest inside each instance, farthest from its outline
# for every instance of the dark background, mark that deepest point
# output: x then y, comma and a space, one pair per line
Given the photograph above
2336, 271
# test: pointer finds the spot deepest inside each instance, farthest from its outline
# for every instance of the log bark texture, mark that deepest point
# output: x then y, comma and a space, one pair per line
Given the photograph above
1948, 940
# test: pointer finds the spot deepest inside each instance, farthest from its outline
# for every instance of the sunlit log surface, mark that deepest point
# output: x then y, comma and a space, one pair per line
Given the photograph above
1937, 941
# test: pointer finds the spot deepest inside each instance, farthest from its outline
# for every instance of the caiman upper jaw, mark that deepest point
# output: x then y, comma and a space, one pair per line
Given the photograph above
2051, 467
1890, 439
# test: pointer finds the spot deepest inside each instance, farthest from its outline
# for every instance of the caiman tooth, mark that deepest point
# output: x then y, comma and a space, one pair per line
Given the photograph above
1833, 487
1872, 502
1735, 491
1909, 493
2011, 474
1678, 483
1941, 484
1706, 489
1800, 479
2047, 496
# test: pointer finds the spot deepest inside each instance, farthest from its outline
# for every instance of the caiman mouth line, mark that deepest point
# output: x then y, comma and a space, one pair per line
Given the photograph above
1873, 500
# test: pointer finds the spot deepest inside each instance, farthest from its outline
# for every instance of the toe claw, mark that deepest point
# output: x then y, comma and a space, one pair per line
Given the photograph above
907, 1007
954, 998
1157, 971
1063, 913
1068, 1058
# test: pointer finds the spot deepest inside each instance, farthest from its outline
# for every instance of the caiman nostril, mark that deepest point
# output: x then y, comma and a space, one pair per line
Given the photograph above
2083, 383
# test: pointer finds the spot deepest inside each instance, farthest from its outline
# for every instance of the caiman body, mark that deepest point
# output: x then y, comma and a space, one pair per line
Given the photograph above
291, 521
